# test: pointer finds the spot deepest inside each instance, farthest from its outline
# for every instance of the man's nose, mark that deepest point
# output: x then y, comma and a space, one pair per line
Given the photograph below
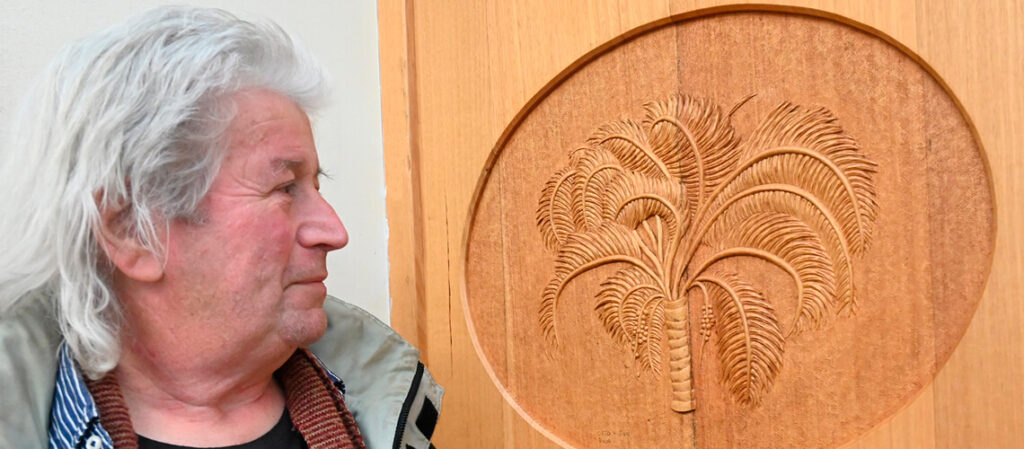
322, 227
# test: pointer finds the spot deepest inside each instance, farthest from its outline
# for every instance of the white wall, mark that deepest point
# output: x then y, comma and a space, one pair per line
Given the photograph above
342, 34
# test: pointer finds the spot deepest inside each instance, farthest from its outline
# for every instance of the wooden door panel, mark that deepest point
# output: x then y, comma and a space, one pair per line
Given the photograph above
454, 74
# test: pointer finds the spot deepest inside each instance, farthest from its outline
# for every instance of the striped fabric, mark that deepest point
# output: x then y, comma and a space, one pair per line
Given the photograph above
74, 416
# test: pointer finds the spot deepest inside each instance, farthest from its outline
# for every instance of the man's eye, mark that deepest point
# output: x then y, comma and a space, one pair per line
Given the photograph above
288, 189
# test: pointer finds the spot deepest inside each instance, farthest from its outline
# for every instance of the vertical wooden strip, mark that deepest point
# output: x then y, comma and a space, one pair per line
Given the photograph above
451, 54
401, 163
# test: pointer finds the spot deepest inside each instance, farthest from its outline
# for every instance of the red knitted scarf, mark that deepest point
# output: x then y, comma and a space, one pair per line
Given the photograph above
315, 405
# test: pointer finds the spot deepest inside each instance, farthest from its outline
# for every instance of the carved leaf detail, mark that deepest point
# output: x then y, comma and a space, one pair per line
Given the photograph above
632, 199
827, 233
799, 161
631, 307
628, 142
807, 148
555, 216
789, 243
611, 243
595, 169
750, 344
696, 142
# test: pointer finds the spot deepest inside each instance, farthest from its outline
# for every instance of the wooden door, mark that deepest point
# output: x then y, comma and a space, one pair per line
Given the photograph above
455, 75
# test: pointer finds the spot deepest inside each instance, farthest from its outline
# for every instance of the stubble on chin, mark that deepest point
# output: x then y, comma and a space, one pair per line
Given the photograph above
301, 328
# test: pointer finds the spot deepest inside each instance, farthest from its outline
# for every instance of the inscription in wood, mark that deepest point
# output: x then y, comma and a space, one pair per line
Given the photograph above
647, 196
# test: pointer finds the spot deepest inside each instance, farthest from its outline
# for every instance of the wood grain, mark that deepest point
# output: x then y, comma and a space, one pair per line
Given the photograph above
401, 172
477, 64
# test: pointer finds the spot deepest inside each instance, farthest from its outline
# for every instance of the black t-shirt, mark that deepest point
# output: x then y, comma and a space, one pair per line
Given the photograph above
282, 436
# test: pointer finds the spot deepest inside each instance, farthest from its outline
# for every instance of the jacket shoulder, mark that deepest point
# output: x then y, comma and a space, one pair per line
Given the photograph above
28, 365
392, 396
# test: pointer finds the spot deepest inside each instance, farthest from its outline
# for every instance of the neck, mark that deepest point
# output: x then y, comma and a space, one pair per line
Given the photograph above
193, 402
185, 381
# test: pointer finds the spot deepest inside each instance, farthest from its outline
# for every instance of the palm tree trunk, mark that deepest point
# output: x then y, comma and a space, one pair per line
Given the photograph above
678, 332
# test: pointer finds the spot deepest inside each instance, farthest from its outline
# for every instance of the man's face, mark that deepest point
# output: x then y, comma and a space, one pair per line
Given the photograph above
248, 273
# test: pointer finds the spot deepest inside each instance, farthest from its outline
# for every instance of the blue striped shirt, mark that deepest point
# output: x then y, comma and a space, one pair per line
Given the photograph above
74, 418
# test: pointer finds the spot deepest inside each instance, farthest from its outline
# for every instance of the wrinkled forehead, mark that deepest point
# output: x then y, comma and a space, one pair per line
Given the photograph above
272, 129
260, 114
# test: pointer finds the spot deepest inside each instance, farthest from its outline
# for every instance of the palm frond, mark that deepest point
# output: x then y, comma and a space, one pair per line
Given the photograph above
802, 252
628, 142
826, 228
750, 344
581, 252
595, 168
631, 307
555, 216
807, 148
695, 140
631, 198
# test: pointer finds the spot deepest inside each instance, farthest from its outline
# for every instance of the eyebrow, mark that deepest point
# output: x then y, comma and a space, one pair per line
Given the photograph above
281, 165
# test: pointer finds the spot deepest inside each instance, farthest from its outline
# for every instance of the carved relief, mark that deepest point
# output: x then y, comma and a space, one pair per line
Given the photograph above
666, 199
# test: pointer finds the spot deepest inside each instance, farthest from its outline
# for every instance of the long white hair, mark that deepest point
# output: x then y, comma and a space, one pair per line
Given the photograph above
130, 118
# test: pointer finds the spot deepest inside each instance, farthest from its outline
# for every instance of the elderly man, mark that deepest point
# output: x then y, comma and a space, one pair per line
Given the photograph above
164, 249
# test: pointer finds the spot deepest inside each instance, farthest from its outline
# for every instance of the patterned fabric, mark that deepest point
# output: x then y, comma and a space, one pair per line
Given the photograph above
317, 409
314, 396
114, 415
74, 418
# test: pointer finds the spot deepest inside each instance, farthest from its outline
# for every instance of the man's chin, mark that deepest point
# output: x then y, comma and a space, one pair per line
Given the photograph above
304, 327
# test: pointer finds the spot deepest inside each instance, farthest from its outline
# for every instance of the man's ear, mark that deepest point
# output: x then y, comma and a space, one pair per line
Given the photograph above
123, 248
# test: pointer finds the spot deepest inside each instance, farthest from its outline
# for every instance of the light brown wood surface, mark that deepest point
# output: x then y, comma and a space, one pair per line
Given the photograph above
454, 74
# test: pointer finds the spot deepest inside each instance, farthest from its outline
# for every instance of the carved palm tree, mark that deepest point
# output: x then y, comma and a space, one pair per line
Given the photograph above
668, 198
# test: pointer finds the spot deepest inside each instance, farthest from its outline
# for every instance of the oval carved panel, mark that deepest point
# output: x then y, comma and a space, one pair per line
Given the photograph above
740, 229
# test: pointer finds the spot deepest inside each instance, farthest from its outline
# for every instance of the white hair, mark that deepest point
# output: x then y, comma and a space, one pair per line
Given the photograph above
130, 118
